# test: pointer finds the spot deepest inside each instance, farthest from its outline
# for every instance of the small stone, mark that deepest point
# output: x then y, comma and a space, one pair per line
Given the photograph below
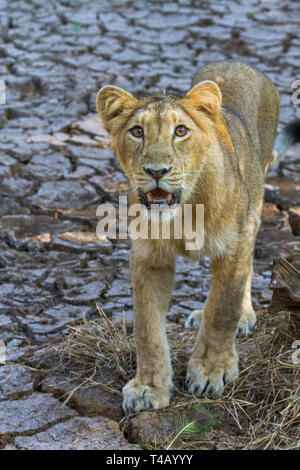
15, 381
152, 428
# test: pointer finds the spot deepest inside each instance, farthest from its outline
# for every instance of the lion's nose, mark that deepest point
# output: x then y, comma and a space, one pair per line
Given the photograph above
157, 174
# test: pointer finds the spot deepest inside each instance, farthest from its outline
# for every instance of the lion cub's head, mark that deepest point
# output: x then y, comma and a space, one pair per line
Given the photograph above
161, 140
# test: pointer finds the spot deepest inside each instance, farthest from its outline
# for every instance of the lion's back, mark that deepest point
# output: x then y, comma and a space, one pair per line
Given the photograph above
249, 94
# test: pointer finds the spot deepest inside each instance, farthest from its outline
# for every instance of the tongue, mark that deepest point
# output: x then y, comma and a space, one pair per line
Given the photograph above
158, 194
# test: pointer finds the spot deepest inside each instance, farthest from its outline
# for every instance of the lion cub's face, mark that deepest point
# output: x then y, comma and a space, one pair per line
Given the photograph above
161, 140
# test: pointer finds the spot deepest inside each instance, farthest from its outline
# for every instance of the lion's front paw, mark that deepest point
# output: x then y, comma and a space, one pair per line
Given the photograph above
137, 397
211, 373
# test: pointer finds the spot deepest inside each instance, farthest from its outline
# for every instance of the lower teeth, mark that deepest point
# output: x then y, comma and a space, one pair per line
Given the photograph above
167, 200
158, 201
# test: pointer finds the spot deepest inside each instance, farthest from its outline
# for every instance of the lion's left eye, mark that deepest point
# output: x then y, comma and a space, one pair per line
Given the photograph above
137, 131
181, 131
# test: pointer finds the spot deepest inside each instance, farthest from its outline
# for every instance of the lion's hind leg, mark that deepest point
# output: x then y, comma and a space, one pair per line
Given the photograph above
246, 321
248, 317
194, 320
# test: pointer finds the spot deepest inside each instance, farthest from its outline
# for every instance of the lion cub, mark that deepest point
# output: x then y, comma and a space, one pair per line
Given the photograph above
211, 147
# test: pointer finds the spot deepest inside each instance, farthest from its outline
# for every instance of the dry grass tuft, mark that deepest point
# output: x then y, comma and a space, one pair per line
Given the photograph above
286, 331
261, 409
96, 345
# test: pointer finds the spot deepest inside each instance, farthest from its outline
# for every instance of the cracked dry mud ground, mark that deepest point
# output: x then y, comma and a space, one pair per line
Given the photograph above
56, 167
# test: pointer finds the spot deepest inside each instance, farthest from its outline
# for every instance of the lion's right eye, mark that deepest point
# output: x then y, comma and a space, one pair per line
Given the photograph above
137, 131
181, 131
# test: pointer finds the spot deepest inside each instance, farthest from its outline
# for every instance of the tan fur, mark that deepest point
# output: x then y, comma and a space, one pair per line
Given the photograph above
232, 114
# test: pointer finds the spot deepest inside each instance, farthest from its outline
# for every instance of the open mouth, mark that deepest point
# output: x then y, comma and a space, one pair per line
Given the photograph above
159, 197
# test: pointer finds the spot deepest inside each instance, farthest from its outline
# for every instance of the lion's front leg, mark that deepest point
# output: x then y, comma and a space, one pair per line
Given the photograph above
152, 281
214, 361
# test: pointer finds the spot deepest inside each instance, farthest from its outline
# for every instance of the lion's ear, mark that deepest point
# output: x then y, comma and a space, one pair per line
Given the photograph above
114, 105
204, 97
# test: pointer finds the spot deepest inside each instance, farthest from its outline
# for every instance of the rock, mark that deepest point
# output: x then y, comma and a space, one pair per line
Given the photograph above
63, 312
110, 185
31, 225
39, 329
14, 354
90, 153
31, 123
10, 447
83, 139
65, 195
8, 205
85, 238
80, 433
66, 245
13, 186
81, 172
119, 288
31, 414
14, 295
285, 283
86, 294
99, 165
15, 381
272, 216
271, 193
4, 172
59, 139
87, 400
49, 167
159, 428
288, 198
91, 125
294, 220
4, 319
151, 427
283, 192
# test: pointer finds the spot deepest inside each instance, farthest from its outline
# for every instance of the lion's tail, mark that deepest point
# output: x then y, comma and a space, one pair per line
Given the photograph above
288, 136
